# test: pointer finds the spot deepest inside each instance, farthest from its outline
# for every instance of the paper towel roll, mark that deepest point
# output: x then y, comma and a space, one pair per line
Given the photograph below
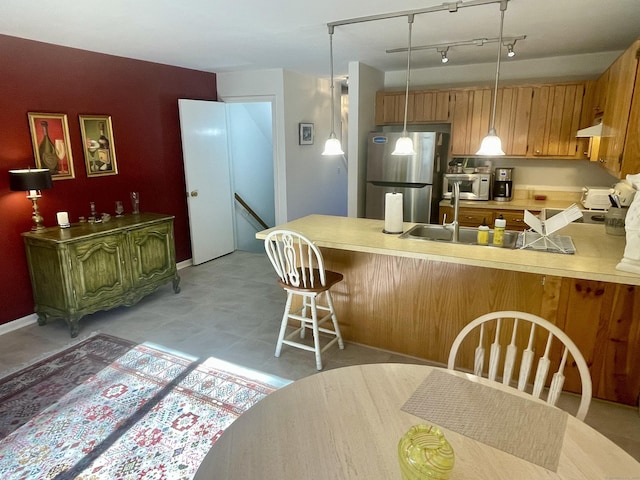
393, 213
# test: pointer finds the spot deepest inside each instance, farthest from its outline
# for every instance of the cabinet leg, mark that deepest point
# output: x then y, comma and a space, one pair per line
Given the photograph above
176, 284
74, 329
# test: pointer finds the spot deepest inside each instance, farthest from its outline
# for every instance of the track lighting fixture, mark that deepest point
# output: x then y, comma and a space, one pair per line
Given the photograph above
443, 48
443, 54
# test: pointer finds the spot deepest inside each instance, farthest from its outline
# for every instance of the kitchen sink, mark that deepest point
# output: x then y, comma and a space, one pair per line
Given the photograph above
467, 235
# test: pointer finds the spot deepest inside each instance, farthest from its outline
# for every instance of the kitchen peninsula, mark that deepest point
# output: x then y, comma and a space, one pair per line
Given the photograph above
414, 296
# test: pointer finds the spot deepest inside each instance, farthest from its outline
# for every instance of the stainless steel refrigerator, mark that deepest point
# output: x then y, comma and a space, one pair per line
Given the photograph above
418, 177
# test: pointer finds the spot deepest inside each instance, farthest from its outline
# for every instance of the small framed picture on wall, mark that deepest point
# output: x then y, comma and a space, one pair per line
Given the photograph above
306, 133
51, 147
98, 146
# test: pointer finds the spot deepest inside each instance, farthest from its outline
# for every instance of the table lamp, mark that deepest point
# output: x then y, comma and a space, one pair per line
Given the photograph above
31, 180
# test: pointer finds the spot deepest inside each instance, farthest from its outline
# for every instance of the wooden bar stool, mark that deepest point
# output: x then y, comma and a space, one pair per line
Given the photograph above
300, 268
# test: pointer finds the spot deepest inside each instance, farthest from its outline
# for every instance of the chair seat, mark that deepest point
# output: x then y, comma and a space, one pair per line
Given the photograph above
331, 278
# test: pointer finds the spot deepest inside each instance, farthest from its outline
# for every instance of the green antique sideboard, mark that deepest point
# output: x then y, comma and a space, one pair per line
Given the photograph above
89, 267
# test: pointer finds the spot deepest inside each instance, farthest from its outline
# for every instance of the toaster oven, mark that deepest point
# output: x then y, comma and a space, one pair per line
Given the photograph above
473, 186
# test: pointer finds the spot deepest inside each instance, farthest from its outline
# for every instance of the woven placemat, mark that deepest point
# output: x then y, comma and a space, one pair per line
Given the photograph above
522, 427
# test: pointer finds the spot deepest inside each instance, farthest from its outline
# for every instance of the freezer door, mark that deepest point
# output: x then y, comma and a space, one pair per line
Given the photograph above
417, 202
384, 167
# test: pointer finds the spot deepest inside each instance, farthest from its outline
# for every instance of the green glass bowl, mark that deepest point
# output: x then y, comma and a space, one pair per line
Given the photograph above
425, 454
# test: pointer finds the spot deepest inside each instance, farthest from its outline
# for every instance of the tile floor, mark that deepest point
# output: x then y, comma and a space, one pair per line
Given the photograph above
231, 308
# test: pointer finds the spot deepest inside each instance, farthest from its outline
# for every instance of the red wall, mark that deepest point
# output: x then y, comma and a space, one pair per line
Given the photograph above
142, 100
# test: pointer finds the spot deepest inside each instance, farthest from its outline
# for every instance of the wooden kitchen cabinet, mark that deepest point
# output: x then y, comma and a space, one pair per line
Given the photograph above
390, 108
619, 150
468, 217
555, 119
90, 267
473, 217
532, 120
513, 115
431, 106
425, 106
470, 120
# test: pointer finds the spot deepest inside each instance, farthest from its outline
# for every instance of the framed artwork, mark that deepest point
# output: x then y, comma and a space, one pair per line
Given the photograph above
98, 146
51, 147
306, 133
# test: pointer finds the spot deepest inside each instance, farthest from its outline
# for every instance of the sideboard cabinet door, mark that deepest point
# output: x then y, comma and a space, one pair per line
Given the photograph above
153, 256
99, 272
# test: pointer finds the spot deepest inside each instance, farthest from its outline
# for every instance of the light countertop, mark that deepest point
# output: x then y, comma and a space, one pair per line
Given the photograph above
597, 253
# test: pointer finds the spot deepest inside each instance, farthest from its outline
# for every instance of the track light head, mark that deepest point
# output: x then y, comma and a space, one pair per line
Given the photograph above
510, 52
443, 54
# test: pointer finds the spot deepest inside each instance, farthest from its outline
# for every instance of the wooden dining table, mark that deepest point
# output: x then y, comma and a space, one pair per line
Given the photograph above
346, 424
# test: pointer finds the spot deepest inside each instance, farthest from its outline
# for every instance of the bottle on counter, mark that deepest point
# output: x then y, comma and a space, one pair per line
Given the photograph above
498, 231
483, 233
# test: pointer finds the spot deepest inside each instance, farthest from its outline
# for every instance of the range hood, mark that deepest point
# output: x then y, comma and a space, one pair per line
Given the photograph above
593, 131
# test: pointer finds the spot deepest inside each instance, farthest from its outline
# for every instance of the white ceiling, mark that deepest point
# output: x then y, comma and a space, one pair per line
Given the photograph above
218, 36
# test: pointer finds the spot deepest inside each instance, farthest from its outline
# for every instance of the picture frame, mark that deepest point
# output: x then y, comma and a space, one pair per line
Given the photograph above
306, 133
98, 145
51, 145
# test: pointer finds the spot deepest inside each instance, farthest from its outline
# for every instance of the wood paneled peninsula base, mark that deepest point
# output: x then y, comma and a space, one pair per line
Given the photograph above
414, 296
89, 267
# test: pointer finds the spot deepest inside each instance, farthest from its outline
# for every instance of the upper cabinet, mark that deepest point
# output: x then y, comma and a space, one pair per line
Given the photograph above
471, 116
390, 108
431, 106
619, 149
423, 107
513, 114
555, 119
532, 121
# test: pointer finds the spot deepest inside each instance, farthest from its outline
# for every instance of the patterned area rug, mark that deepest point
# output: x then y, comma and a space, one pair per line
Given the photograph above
26, 393
150, 414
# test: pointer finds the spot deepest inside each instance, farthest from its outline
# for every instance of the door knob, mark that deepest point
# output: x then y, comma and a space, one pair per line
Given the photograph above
194, 193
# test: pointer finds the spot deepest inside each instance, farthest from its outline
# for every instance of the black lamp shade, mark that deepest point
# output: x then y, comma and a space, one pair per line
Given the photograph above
30, 179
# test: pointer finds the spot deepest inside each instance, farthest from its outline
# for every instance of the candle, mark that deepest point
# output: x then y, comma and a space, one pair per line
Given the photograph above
63, 219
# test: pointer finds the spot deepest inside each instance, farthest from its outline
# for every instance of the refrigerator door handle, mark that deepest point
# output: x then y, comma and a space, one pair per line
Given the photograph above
399, 184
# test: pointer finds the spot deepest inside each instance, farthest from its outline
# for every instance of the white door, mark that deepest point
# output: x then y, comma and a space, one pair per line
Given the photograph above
203, 126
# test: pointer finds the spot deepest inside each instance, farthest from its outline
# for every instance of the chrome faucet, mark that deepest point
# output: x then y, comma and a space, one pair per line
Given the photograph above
455, 201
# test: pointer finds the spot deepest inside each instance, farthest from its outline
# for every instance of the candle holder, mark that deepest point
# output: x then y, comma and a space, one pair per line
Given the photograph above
63, 219
135, 202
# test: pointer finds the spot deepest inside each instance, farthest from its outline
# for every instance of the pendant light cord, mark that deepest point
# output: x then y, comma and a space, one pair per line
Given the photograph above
495, 90
333, 133
406, 94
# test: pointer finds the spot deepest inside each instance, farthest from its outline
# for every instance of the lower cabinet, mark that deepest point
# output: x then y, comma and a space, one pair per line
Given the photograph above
417, 307
473, 217
91, 267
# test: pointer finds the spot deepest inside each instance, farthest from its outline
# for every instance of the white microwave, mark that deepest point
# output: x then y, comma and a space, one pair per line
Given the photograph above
473, 186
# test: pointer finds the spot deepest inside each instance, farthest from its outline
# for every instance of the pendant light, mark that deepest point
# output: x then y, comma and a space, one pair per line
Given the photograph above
332, 145
404, 145
491, 144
